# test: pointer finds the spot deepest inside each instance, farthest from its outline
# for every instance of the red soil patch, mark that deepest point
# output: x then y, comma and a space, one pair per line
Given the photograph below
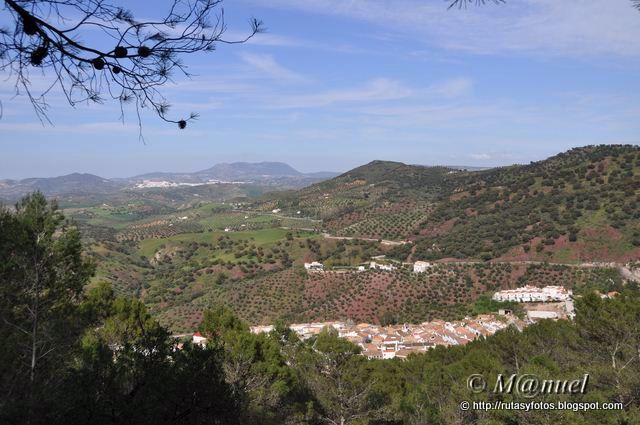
607, 232
458, 196
439, 229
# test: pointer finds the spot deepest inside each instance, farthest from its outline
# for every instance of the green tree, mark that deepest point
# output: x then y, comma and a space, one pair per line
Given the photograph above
130, 371
43, 274
254, 366
338, 379
611, 332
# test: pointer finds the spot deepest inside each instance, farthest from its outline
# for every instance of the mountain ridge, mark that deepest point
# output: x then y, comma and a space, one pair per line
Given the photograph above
267, 173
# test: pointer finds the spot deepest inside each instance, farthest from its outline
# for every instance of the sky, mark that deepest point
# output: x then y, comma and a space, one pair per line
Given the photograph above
334, 84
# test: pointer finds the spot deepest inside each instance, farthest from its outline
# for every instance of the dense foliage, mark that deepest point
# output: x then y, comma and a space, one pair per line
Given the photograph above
71, 354
557, 202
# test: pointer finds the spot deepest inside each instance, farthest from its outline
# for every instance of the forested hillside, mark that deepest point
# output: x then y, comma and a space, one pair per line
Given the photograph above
580, 205
82, 355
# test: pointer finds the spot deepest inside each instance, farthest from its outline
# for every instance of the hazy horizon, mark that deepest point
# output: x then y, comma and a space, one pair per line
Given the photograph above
2, 177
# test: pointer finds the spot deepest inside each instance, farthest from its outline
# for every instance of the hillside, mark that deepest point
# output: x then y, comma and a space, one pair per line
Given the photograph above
446, 292
71, 183
575, 206
357, 202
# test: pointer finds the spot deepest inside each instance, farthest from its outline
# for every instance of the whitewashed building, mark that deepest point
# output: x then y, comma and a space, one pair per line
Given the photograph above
421, 266
198, 339
377, 266
314, 266
527, 294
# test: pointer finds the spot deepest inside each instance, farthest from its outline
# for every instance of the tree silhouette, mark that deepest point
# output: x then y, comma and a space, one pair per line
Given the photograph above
464, 3
129, 64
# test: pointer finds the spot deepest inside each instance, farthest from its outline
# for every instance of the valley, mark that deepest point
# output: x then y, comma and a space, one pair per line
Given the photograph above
569, 220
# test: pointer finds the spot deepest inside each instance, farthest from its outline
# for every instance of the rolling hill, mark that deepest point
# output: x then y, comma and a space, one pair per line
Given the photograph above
576, 206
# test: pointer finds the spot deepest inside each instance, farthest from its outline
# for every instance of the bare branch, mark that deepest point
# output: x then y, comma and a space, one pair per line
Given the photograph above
464, 3
134, 60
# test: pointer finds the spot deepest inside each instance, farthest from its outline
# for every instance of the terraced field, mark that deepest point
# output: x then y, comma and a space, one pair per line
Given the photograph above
386, 225
447, 292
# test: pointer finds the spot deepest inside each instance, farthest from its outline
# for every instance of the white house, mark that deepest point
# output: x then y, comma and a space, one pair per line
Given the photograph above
261, 329
198, 339
377, 266
314, 266
421, 266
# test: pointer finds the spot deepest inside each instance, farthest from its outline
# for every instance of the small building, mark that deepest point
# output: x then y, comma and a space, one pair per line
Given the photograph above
370, 351
314, 266
198, 339
276, 210
261, 329
388, 353
377, 266
421, 266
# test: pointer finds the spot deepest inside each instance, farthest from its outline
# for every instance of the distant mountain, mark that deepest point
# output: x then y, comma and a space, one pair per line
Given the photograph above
274, 175
257, 172
248, 170
70, 183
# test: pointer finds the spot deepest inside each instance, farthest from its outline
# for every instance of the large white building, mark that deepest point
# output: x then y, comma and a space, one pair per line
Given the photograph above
421, 266
528, 294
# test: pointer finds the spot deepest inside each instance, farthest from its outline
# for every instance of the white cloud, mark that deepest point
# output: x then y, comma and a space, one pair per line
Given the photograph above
455, 87
480, 156
268, 65
556, 27
491, 155
379, 89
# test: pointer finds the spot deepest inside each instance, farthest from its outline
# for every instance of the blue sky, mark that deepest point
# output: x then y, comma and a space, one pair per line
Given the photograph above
334, 84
